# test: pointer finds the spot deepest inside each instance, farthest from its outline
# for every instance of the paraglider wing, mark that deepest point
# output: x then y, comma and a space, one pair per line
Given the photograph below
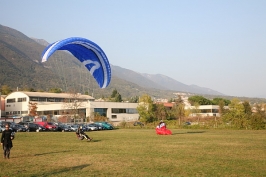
88, 53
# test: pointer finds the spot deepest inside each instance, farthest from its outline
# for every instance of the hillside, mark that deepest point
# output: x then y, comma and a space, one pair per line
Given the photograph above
21, 68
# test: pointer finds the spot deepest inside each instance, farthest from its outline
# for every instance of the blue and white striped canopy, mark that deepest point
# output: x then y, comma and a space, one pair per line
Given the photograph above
88, 53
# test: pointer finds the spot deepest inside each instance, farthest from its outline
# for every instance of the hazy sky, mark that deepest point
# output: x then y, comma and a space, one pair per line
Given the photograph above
218, 44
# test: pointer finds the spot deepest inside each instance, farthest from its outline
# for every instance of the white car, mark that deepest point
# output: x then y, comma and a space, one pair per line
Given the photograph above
74, 127
92, 127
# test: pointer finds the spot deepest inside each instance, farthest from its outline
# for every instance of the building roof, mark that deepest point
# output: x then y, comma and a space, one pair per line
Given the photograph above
57, 95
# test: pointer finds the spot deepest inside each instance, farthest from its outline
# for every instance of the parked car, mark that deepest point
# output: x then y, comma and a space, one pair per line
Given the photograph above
74, 127
18, 128
105, 125
25, 124
92, 127
48, 125
138, 123
33, 127
64, 128
2, 128
187, 123
100, 127
41, 128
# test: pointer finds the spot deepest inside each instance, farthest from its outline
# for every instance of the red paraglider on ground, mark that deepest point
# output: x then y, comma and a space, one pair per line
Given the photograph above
162, 130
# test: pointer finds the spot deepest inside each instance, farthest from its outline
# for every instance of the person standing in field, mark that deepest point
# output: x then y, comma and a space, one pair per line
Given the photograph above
6, 141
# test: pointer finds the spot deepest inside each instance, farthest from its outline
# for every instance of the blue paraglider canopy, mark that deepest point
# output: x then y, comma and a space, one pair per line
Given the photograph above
88, 53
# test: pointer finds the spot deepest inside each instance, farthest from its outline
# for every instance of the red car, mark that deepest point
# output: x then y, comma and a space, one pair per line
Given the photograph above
48, 125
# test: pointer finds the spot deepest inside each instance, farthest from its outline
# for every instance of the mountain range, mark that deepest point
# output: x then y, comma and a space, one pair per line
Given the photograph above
21, 68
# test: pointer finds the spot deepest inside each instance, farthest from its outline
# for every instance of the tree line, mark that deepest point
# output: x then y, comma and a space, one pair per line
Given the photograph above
233, 113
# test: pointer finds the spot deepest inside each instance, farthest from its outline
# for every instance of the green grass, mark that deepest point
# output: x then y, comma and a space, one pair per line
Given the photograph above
138, 152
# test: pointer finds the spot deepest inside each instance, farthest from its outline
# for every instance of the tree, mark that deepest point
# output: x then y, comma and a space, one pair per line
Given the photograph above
179, 112
114, 93
97, 117
72, 105
33, 109
217, 101
258, 119
146, 108
55, 90
197, 111
5, 90
179, 100
221, 107
134, 99
247, 108
236, 115
29, 89
115, 96
200, 100
160, 111
118, 98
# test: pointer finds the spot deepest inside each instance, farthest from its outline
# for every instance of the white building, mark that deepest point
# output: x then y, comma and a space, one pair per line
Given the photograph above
58, 104
205, 110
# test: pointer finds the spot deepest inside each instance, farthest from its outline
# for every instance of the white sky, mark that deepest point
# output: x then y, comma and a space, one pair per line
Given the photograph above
217, 44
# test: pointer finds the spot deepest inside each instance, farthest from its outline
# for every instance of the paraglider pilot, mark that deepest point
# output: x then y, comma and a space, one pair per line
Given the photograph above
162, 124
162, 130
81, 134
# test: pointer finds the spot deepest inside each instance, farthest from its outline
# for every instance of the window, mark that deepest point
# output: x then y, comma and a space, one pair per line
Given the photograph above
22, 99
34, 99
114, 116
12, 100
24, 112
8, 105
215, 110
101, 111
50, 99
47, 112
127, 111
15, 112
59, 100
132, 111
42, 99
117, 110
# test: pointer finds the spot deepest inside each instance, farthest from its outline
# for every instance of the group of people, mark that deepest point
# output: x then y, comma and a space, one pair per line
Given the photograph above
8, 136
6, 141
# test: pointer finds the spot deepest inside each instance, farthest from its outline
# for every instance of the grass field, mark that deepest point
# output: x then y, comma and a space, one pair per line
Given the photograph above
138, 152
